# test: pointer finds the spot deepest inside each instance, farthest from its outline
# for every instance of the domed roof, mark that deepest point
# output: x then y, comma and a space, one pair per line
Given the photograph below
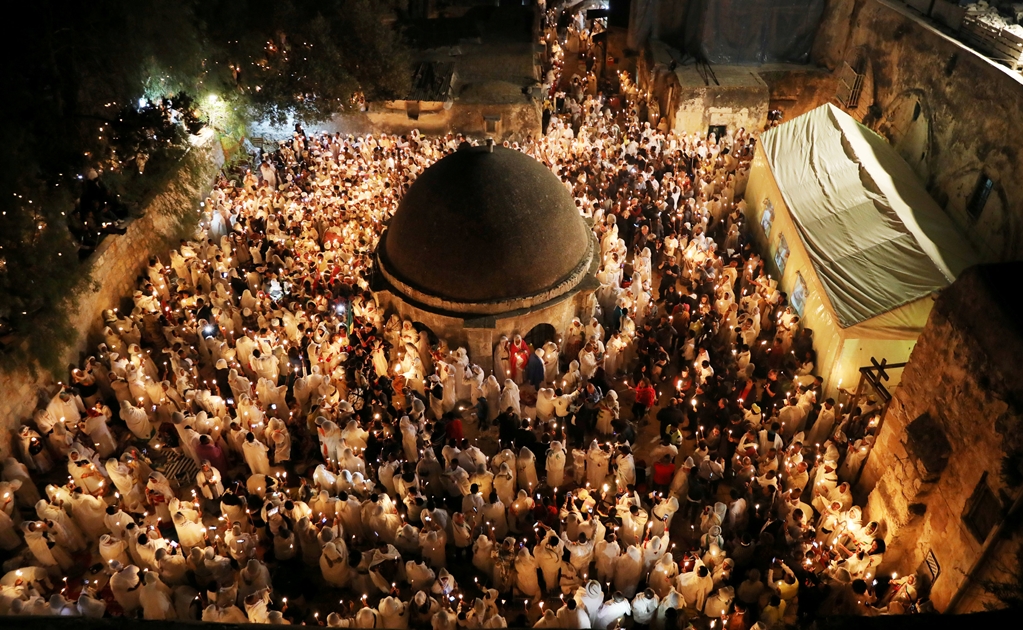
484, 231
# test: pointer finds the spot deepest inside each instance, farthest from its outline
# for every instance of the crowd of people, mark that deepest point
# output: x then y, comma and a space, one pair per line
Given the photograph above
256, 441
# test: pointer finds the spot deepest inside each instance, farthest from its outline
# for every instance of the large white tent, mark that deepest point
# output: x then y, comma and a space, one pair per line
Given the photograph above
853, 238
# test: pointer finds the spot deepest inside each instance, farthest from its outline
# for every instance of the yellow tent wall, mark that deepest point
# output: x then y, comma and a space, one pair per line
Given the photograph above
840, 351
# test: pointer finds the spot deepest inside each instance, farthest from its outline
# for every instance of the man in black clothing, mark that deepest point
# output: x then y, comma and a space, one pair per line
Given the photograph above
671, 415
525, 437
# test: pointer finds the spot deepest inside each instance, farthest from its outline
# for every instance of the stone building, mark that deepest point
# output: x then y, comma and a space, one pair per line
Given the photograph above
701, 98
935, 476
487, 242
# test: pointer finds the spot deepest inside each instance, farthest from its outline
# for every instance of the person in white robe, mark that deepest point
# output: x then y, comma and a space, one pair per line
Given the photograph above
155, 599
556, 465
97, 428
9, 539
628, 571
88, 512
504, 484
255, 453
525, 472
551, 354
502, 360
672, 601
113, 549
696, 585
572, 615
492, 392
27, 494
548, 554
433, 541
613, 611
137, 421
125, 584
510, 398
597, 462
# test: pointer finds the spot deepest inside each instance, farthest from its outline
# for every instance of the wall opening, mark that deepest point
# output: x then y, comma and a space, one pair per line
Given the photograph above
980, 196
540, 334
983, 511
420, 327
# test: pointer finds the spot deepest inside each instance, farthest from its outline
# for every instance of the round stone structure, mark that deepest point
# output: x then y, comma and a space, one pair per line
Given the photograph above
487, 242
483, 231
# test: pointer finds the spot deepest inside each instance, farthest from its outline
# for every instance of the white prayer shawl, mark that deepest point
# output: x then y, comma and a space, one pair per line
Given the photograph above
334, 564
556, 465
610, 612
492, 392
573, 618
628, 570
654, 549
525, 573
393, 613
606, 554
673, 600
434, 543
9, 539
626, 471
663, 575
590, 596
510, 398
137, 421
548, 558
420, 576
526, 470
154, 596
644, 608
121, 584
494, 515
407, 539
597, 461
504, 484
693, 588
255, 453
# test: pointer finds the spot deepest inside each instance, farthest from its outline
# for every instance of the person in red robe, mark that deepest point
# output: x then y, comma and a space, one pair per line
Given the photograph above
518, 359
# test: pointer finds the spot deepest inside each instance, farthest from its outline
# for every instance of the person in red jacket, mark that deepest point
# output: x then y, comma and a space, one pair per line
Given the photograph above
664, 472
646, 397
454, 429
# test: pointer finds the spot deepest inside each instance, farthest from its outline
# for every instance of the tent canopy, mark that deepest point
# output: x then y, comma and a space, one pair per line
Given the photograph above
875, 237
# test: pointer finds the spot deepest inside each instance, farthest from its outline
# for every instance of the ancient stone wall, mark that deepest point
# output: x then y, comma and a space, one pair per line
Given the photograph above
940, 449
951, 112
113, 272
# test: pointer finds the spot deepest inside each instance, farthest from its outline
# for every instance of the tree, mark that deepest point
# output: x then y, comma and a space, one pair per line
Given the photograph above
87, 86
310, 59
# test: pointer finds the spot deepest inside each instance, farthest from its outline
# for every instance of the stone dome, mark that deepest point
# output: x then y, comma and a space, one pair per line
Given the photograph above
486, 231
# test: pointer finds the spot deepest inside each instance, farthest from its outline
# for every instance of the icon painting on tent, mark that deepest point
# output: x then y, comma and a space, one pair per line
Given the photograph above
767, 218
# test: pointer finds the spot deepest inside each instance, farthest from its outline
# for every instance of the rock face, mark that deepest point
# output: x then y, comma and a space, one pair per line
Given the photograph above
948, 109
114, 269
936, 468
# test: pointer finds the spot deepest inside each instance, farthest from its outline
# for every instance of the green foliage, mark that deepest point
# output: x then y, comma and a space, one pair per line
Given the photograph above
73, 75
310, 59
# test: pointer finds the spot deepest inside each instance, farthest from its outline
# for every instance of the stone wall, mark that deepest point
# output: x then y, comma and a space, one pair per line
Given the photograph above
113, 272
951, 112
944, 434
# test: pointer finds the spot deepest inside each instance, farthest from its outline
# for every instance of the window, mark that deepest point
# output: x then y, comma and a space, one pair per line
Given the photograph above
983, 511
798, 297
412, 110
782, 255
767, 218
979, 197
490, 123
850, 84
